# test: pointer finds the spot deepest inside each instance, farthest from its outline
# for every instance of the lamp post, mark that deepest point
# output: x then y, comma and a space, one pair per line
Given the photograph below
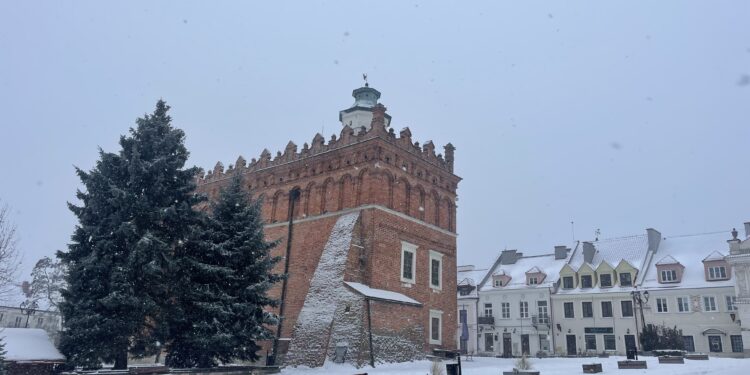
28, 308
639, 297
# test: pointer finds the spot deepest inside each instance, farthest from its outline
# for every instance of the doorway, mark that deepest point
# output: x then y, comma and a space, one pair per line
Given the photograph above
489, 342
507, 349
714, 344
571, 341
629, 343
525, 345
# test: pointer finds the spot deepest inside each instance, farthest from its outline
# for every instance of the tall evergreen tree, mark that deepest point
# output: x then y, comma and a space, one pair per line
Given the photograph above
223, 280
136, 212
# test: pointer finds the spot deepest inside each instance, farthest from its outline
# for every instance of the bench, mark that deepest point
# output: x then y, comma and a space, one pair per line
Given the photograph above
146, 370
592, 368
698, 357
631, 364
671, 359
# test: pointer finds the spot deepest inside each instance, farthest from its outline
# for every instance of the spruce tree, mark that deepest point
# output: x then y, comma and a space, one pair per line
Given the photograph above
135, 212
3, 371
229, 272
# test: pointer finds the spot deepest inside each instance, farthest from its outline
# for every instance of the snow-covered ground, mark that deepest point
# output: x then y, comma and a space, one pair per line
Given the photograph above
546, 366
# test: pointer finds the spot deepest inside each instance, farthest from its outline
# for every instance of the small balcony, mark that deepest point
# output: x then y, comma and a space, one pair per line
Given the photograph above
540, 320
489, 320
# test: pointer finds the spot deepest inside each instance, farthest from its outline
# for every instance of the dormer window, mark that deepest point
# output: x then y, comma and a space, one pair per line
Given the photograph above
533, 281
586, 281
567, 282
498, 283
500, 279
535, 276
716, 268
605, 280
717, 273
668, 276
626, 279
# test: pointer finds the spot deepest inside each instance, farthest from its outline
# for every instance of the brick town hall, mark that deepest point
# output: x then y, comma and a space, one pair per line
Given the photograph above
372, 258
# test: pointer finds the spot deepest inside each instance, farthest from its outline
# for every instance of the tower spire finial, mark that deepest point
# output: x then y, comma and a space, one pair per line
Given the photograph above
364, 76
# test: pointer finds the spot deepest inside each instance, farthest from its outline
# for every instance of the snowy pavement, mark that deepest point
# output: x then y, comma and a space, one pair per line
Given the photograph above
546, 366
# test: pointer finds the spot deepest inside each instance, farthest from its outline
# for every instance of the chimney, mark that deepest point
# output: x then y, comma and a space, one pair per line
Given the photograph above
747, 229
588, 252
561, 252
509, 256
654, 238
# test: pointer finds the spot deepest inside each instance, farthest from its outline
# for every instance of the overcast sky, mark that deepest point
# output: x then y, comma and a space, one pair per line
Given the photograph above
618, 116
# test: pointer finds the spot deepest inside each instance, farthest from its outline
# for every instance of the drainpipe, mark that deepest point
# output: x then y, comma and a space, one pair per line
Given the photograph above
293, 195
551, 322
369, 331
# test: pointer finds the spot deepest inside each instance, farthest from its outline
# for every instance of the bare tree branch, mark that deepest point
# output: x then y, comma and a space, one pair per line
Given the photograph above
9, 259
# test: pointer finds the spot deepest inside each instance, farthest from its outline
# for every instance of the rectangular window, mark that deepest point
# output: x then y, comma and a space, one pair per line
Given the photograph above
39, 322
625, 279
505, 310
586, 281
714, 344
605, 280
18, 321
498, 283
569, 312
709, 303
668, 276
541, 307
588, 309
524, 309
462, 316
436, 320
436, 270
590, 342
1, 317
533, 281
568, 282
736, 343
606, 309
661, 305
488, 309
689, 344
408, 262
543, 343
683, 304
609, 342
627, 309
731, 303
717, 273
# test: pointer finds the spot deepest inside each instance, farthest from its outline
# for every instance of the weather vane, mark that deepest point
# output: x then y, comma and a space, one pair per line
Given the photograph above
364, 76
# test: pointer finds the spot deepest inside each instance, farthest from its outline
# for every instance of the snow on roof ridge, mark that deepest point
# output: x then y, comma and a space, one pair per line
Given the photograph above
711, 256
534, 269
667, 260
695, 234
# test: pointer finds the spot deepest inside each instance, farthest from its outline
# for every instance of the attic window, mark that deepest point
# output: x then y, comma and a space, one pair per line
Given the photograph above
586, 281
717, 273
498, 283
625, 279
668, 276
533, 280
568, 282
605, 280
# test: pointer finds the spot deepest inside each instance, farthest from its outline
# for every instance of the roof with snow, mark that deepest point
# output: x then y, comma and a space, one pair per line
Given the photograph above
470, 275
29, 345
545, 263
667, 260
381, 294
690, 251
632, 249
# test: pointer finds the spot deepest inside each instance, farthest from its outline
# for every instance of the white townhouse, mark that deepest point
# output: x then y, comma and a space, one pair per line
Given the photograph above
468, 277
692, 286
593, 309
514, 303
739, 259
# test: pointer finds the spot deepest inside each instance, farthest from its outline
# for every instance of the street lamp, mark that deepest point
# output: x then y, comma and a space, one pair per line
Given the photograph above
639, 298
28, 308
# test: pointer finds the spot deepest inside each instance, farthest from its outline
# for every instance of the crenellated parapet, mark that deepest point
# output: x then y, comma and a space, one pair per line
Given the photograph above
346, 138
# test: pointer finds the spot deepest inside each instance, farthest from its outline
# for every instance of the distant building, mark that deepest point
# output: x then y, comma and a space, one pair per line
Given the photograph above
14, 317
514, 303
372, 260
468, 278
